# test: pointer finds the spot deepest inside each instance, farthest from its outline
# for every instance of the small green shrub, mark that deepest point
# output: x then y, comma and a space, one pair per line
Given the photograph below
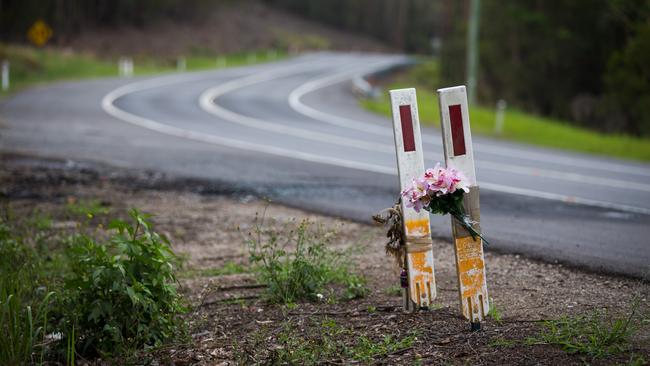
305, 272
121, 294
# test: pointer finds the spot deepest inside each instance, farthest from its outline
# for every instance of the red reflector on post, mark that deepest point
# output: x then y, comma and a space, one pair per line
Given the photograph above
457, 132
407, 127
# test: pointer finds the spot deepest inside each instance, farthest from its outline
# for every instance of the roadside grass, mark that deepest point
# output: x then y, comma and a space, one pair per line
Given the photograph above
518, 126
297, 264
31, 66
328, 343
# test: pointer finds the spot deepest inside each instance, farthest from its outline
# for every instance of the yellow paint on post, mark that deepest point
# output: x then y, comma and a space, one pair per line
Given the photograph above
470, 265
422, 283
418, 227
423, 280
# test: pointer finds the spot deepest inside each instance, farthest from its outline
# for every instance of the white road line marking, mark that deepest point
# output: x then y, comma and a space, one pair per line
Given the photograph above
563, 198
109, 107
208, 98
295, 101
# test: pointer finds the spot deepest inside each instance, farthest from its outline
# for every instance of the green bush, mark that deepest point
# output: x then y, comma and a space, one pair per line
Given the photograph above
121, 294
305, 272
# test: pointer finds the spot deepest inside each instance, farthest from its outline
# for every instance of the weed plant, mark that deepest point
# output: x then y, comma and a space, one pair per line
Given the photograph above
495, 313
296, 263
597, 335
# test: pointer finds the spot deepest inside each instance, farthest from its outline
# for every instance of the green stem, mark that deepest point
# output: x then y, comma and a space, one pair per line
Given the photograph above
463, 221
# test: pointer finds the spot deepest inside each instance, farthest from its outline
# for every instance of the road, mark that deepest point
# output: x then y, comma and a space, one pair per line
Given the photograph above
293, 131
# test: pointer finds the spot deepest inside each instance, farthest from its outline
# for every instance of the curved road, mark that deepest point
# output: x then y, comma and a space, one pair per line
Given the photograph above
292, 131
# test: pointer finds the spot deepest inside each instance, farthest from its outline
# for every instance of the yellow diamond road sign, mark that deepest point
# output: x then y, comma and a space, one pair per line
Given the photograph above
39, 33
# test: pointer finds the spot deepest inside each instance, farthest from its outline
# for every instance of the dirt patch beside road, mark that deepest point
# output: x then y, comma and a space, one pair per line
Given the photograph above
230, 322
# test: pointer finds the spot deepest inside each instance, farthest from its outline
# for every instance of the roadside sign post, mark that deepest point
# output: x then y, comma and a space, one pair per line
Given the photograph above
39, 33
459, 153
5, 75
421, 290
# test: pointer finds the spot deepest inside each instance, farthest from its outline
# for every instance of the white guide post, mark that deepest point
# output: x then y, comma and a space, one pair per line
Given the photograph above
459, 153
500, 116
410, 164
125, 66
181, 64
5, 75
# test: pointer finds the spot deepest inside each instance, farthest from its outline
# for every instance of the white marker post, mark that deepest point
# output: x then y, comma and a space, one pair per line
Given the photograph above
410, 164
470, 262
125, 67
181, 64
5, 75
500, 116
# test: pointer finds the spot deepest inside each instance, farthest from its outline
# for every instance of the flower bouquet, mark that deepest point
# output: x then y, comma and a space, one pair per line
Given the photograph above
440, 191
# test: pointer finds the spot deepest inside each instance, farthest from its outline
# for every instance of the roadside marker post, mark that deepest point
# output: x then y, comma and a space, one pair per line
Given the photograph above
125, 65
5, 75
499, 119
459, 153
181, 64
421, 290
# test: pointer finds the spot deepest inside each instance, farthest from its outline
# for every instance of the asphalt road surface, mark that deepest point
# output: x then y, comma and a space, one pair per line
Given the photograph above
293, 131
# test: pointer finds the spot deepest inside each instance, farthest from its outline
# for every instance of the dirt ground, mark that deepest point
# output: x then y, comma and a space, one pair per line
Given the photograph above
230, 323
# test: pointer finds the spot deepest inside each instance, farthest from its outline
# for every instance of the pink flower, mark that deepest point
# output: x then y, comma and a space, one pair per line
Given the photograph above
436, 182
417, 194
